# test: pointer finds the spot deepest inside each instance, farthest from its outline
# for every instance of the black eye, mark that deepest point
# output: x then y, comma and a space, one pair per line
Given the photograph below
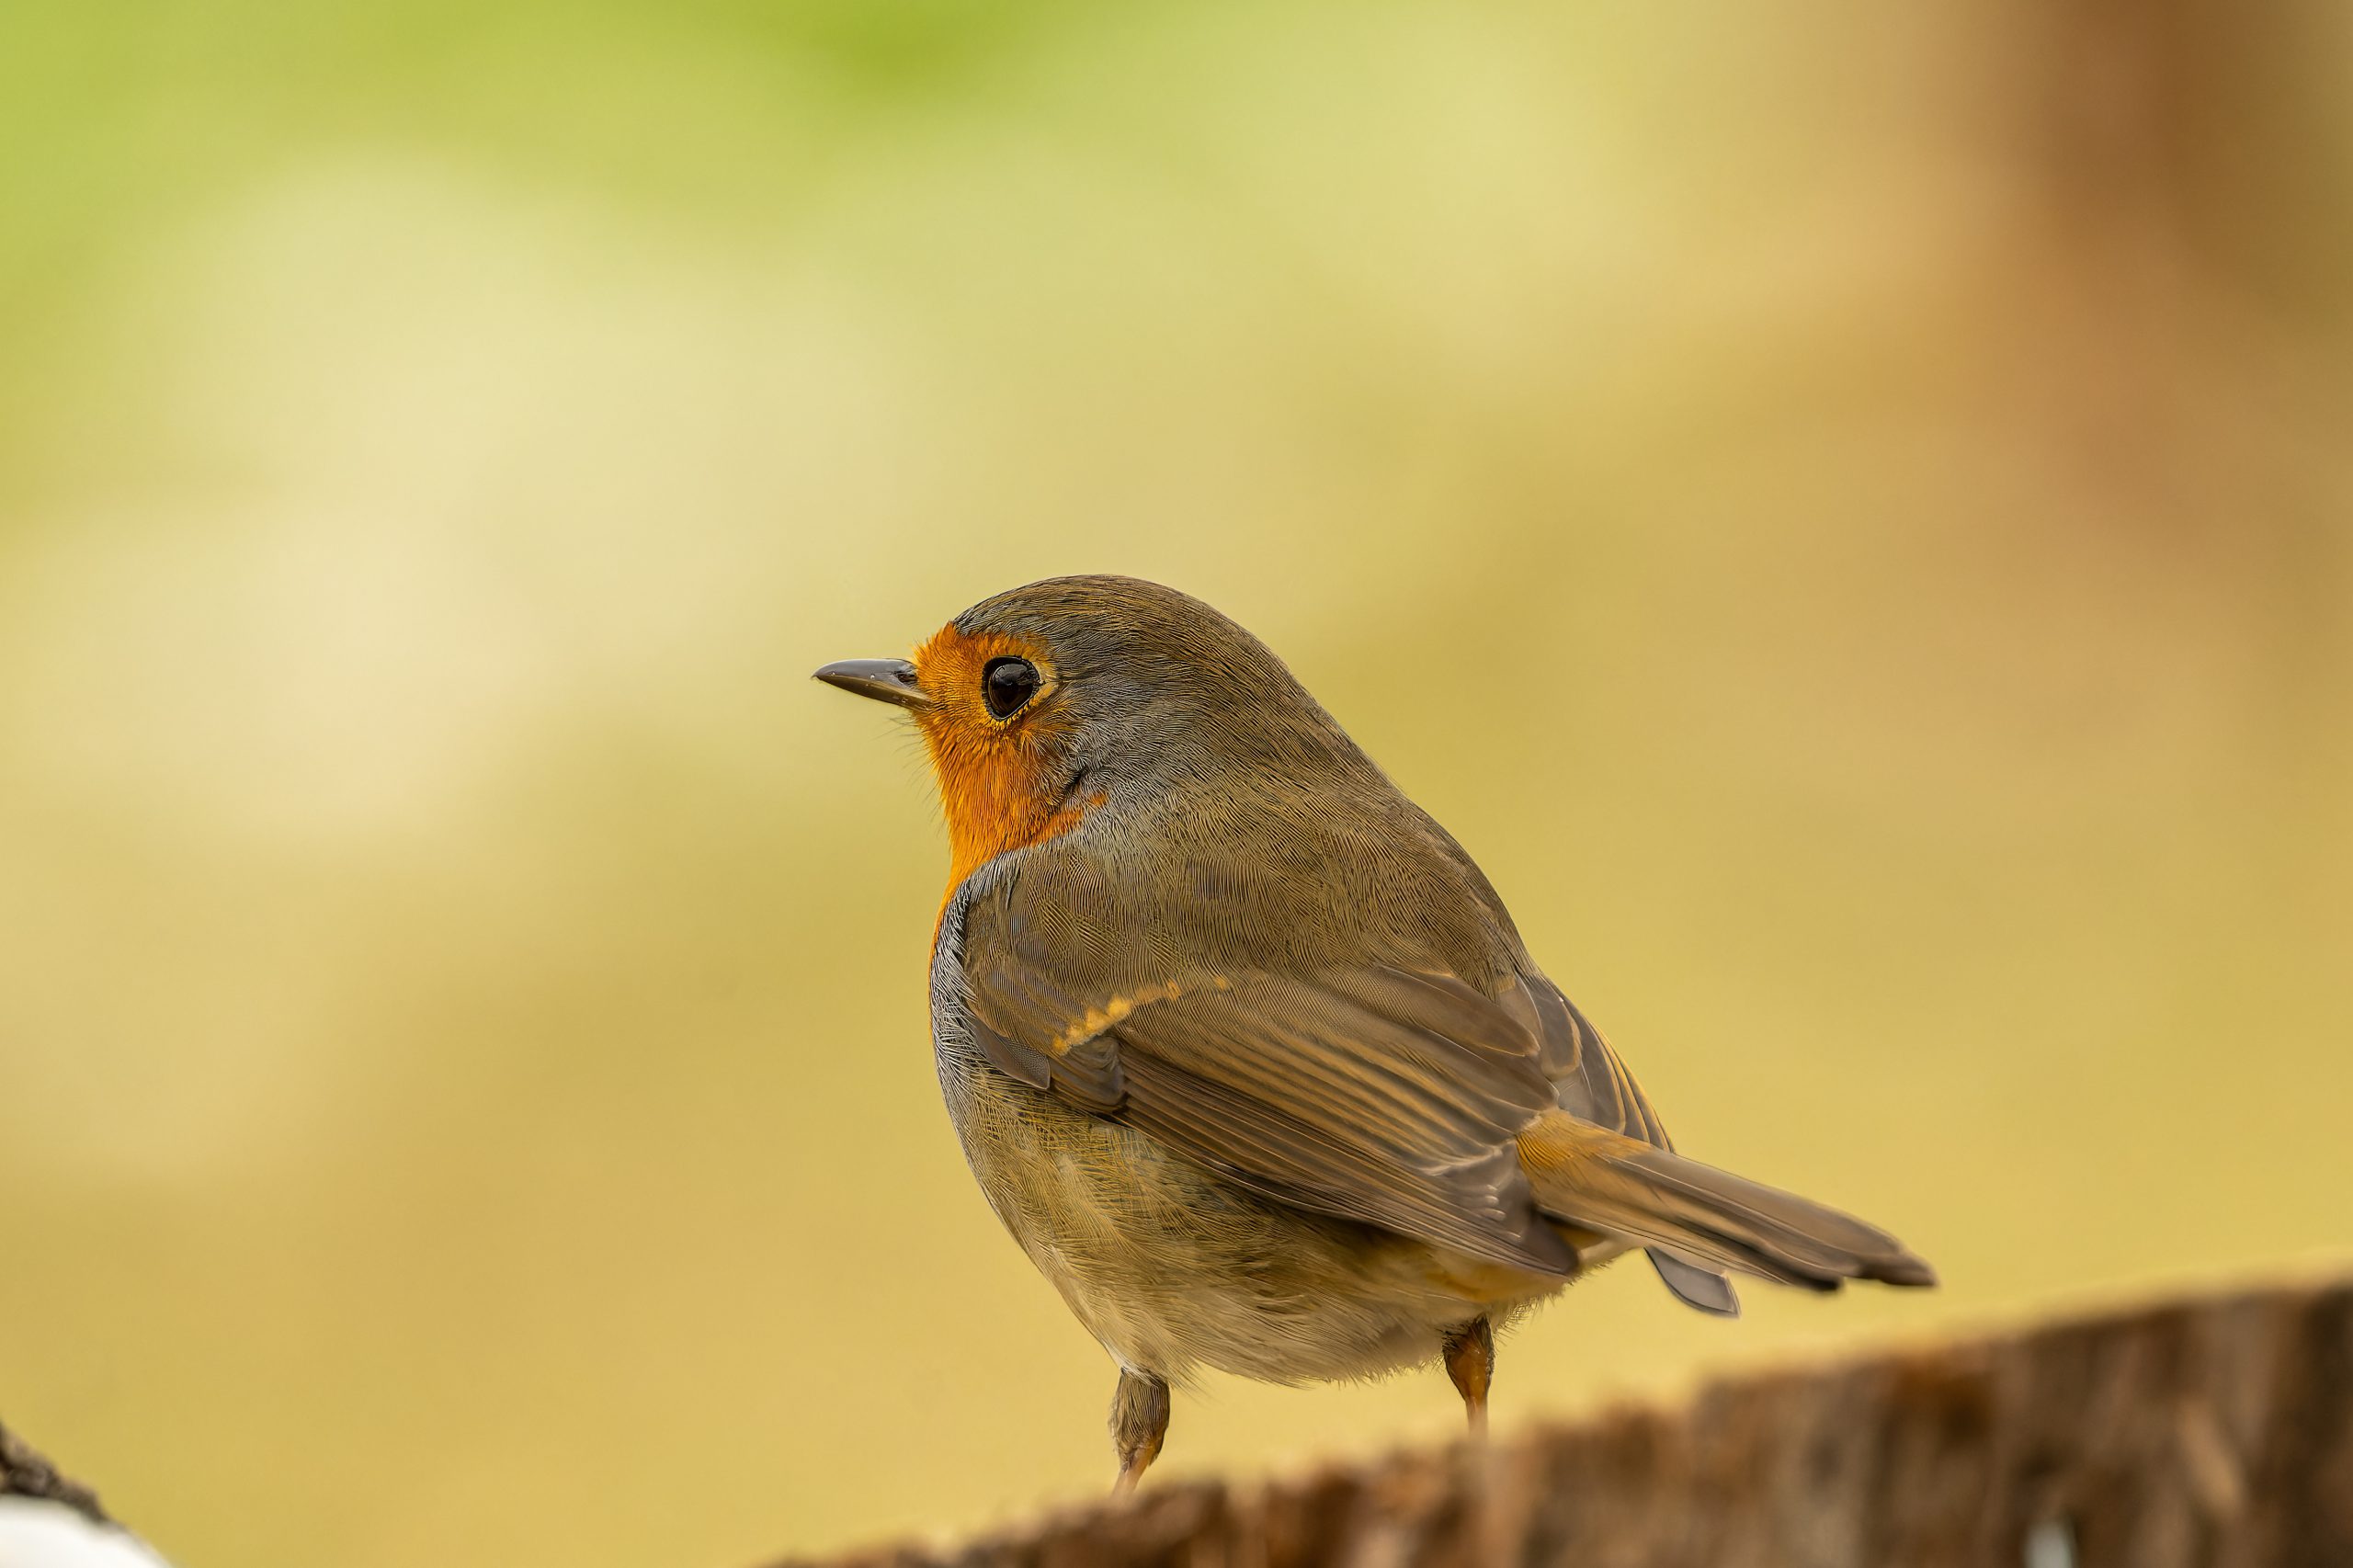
1007, 684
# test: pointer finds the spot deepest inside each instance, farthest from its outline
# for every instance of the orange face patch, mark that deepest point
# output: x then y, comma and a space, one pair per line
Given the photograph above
999, 782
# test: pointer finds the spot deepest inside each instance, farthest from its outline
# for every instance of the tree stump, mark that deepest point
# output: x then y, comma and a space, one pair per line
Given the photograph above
2204, 1434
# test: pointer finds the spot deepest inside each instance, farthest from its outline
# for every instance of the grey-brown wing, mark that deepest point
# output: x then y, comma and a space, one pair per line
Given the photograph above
1374, 1093
1593, 1084
1590, 1080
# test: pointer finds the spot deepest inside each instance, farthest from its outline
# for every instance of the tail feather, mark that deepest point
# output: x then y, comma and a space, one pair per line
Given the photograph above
1702, 1290
1596, 1179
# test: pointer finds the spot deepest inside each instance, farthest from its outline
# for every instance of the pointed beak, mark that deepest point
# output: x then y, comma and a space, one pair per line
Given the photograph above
885, 680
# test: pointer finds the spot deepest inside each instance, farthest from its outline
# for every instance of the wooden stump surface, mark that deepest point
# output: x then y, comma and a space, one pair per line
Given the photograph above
2205, 1434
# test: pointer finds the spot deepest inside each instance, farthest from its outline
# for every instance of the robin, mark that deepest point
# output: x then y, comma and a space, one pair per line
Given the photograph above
1245, 1050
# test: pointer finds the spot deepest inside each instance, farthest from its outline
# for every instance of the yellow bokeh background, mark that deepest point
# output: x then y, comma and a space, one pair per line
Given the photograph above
1845, 509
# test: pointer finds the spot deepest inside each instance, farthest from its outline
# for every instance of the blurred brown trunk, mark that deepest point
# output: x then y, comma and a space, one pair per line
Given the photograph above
2210, 1434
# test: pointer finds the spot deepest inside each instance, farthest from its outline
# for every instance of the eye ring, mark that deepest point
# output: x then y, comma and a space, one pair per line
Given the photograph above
1008, 685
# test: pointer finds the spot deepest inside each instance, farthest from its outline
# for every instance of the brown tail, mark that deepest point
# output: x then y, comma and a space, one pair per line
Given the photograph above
1594, 1179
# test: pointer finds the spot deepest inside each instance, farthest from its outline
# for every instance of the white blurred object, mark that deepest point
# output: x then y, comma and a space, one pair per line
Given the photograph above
2050, 1544
35, 1533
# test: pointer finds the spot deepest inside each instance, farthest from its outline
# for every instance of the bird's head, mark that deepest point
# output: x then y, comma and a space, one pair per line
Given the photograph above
1048, 702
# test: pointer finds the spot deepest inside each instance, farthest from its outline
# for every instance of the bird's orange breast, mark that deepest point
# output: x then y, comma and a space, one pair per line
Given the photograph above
1001, 782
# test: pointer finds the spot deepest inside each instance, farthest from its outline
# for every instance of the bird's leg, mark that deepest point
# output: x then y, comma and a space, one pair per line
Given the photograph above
1471, 1361
1139, 1423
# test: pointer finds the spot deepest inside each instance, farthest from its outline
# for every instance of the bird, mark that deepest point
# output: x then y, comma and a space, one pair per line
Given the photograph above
1245, 1050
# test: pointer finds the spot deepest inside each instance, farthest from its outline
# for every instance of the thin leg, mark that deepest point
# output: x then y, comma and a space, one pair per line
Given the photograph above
1470, 1362
1139, 1423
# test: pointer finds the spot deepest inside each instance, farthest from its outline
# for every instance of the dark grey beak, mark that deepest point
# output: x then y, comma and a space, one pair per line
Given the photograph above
885, 680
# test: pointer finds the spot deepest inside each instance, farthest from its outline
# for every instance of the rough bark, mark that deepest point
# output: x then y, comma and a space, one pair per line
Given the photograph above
2205, 1434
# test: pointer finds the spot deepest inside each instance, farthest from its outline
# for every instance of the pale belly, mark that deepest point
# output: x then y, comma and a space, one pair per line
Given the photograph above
1171, 1266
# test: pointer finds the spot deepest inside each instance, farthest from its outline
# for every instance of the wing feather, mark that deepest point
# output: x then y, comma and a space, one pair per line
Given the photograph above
1374, 1093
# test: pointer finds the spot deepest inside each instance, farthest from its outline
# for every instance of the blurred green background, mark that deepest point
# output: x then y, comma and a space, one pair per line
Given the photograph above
1843, 507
